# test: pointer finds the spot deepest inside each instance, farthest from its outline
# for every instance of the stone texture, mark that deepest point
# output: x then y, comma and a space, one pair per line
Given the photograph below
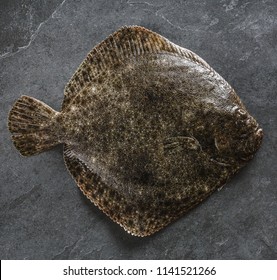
43, 215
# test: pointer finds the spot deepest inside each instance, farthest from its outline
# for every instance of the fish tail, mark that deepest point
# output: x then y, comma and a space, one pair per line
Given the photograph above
33, 126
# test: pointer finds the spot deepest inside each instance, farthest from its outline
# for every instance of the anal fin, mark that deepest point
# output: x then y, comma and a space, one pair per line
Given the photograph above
128, 214
139, 217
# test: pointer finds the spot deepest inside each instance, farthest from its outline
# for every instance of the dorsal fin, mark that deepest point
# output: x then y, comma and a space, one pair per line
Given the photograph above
127, 41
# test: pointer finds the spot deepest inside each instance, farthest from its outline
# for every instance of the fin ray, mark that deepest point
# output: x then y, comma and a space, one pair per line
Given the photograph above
31, 125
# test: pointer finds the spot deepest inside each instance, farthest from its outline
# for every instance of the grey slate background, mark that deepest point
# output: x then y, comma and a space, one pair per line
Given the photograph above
43, 215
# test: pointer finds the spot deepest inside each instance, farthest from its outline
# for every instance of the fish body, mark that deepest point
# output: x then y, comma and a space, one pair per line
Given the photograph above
149, 129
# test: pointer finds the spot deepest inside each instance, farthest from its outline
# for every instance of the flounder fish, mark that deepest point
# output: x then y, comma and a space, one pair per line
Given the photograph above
149, 129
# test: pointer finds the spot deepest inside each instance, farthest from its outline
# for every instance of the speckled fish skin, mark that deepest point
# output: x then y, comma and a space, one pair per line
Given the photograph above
150, 129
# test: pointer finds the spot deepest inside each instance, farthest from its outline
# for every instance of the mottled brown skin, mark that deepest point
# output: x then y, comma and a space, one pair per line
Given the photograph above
150, 130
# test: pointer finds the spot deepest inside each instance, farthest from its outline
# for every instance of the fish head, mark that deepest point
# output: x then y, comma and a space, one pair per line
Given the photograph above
239, 137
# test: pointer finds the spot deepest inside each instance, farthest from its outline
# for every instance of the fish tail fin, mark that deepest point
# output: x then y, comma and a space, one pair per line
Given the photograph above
33, 126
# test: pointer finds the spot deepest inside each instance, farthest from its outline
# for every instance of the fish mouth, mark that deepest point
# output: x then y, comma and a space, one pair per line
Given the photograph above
259, 136
252, 144
258, 132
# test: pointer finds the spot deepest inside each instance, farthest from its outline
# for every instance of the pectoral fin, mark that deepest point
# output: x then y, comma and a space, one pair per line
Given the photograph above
182, 143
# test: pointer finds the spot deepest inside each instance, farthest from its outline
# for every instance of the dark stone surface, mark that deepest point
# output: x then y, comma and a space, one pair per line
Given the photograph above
43, 215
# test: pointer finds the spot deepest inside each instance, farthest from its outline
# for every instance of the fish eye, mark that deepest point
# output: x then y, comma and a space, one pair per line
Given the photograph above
242, 113
243, 135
